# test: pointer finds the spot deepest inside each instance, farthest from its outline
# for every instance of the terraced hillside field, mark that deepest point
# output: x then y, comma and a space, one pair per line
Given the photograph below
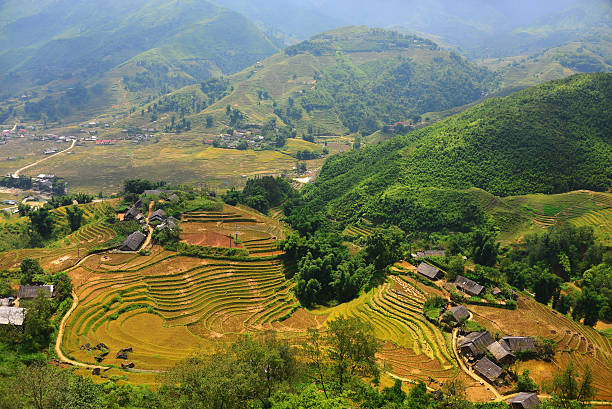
167, 306
520, 215
576, 343
68, 251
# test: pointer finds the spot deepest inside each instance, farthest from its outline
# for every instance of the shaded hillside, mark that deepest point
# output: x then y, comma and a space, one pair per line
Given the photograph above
154, 46
350, 79
552, 138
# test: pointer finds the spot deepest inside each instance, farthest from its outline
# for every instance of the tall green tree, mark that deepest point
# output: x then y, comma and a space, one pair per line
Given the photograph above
30, 269
74, 214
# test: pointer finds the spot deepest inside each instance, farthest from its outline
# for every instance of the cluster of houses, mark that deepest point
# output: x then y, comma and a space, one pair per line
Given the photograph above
478, 347
43, 183
232, 141
158, 219
11, 314
488, 356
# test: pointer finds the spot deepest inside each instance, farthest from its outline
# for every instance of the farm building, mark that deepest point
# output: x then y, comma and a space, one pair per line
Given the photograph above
157, 192
132, 213
468, 286
524, 400
502, 355
12, 315
431, 272
488, 370
7, 302
31, 291
133, 242
460, 313
429, 253
515, 344
475, 343
157, 216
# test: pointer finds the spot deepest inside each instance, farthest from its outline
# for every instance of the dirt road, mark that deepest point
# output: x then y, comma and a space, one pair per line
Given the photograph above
16, 174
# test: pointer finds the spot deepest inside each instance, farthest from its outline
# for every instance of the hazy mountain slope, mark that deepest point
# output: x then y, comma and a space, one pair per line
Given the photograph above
555, 137
294, 21
87, 38
350, 79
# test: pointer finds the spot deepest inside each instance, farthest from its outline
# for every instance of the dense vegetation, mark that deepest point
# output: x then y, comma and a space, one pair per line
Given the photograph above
550, 138
261, 193
367, 96
564, 254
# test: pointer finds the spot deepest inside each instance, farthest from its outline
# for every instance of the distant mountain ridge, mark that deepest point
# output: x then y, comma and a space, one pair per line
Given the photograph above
184, 41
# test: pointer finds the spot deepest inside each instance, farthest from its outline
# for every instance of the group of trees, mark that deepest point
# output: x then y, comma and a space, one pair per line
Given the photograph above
261, 193
326, 271
562, 254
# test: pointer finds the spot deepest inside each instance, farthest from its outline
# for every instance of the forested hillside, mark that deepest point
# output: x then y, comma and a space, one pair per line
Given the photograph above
351, 79
551, 138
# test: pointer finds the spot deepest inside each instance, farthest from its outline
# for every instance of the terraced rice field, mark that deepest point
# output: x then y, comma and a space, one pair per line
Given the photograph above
66, 252
168, 306
576, 343
536, 212
358, 231
221, 228
413, 348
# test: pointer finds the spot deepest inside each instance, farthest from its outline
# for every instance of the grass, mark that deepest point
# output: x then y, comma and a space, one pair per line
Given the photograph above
520, 215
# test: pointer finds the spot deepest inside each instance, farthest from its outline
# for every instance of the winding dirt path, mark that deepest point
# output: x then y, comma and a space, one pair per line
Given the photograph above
472, 374
16, 174
62, 327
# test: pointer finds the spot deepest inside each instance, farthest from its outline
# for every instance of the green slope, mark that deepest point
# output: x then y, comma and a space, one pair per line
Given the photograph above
552, 138
350, 79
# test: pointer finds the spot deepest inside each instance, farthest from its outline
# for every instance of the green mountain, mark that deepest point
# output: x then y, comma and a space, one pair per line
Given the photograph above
153, 46
550, 138
347, 80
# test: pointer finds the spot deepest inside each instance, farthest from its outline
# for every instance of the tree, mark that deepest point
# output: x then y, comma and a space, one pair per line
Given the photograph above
352, 349
314, 351
588, 306
524, 383
384, 247
63, 287
37, 325
42, 222
30, 269
74, 214
484, 248
570, 386
545, 286
209, 121
266, 363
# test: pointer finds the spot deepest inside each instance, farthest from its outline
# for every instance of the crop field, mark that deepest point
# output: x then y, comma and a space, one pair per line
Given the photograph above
168, 306
576, 343
24, 151
65, 252
395, 311
174, 158
521, 215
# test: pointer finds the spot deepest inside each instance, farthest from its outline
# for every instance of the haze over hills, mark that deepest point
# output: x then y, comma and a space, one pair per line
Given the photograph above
290, 204
154, 45
551, 138
346, 80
